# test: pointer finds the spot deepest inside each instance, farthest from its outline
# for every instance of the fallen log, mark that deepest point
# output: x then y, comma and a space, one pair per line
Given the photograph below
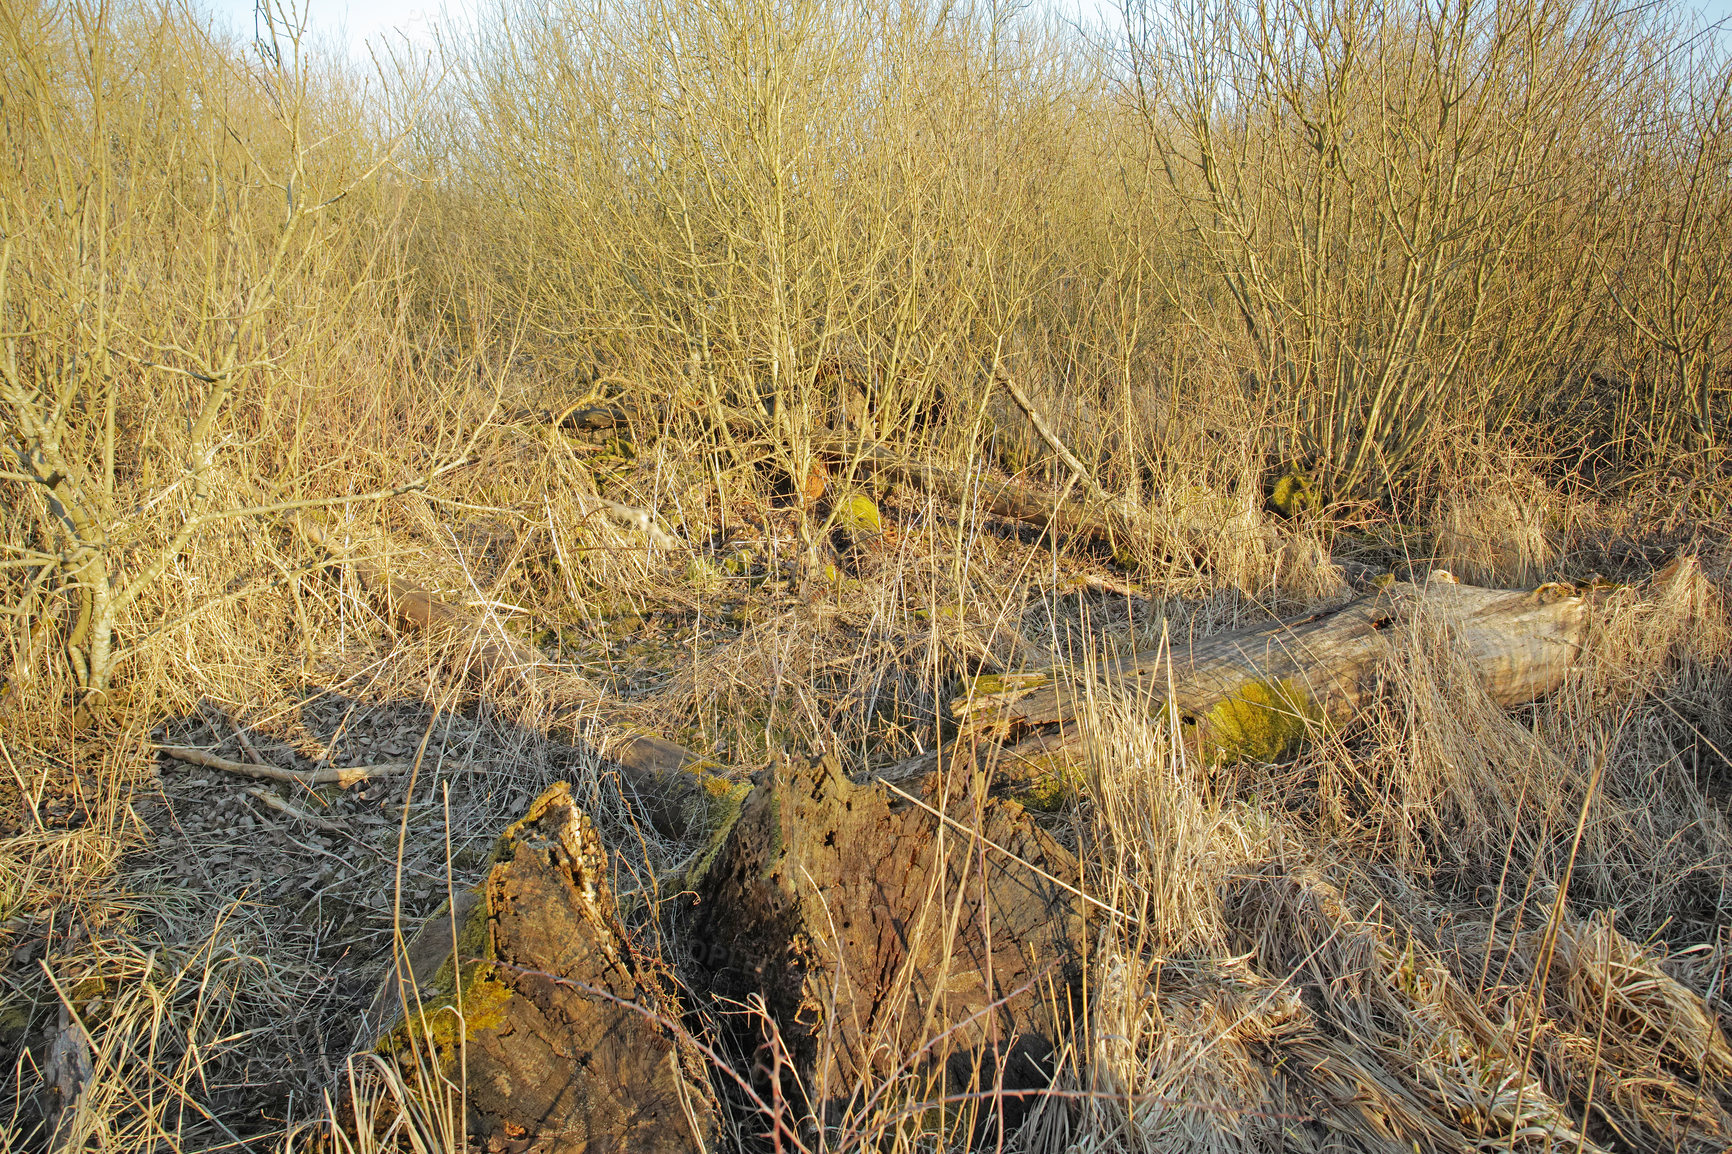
923, 939
932, 939
1260, 693
529, 992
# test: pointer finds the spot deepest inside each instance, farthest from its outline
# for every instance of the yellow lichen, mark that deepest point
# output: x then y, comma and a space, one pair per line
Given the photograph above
441, 1032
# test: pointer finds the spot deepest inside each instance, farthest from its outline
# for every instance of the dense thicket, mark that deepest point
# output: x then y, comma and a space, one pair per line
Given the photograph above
901, 343
1384, 244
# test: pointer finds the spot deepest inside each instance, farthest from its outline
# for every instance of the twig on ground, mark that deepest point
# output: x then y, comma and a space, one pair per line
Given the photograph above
246, 742
342, 776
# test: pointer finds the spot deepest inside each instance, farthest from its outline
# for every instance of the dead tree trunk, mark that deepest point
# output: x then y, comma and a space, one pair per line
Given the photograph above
1260, 693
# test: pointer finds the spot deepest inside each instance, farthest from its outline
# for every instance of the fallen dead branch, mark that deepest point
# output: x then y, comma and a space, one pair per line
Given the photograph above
641, 520
342, 776
1010, 499
493, 649
272, 801
1085, 478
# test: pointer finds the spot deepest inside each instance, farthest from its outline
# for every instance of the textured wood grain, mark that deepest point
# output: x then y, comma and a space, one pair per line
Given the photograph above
887, 940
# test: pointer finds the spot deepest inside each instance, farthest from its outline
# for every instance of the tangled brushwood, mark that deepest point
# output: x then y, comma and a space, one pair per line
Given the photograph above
790, 575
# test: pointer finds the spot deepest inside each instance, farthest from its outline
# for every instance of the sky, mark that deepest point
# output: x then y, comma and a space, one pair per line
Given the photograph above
359, 22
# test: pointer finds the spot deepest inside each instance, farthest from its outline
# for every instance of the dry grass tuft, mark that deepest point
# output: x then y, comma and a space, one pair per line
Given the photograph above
1499, 534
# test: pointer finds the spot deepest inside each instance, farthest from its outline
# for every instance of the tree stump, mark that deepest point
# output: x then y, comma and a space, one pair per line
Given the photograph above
566, 1035
892, 945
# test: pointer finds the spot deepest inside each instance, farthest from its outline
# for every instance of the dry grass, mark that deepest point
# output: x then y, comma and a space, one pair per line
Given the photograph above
1419, 264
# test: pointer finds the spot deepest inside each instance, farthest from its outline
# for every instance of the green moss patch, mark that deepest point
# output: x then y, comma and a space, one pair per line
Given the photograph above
1055, 784
858, 515
994, 684
438, 1029
1260, 721
720, 809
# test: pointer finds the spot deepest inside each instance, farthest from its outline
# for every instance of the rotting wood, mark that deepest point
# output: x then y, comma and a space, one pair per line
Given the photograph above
928, 937
530, 990
938, 939
341, 776
1260, 693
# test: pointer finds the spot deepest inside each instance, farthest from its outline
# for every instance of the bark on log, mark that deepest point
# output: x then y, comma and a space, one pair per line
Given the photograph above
1260, 693
889, 942
566, 1034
